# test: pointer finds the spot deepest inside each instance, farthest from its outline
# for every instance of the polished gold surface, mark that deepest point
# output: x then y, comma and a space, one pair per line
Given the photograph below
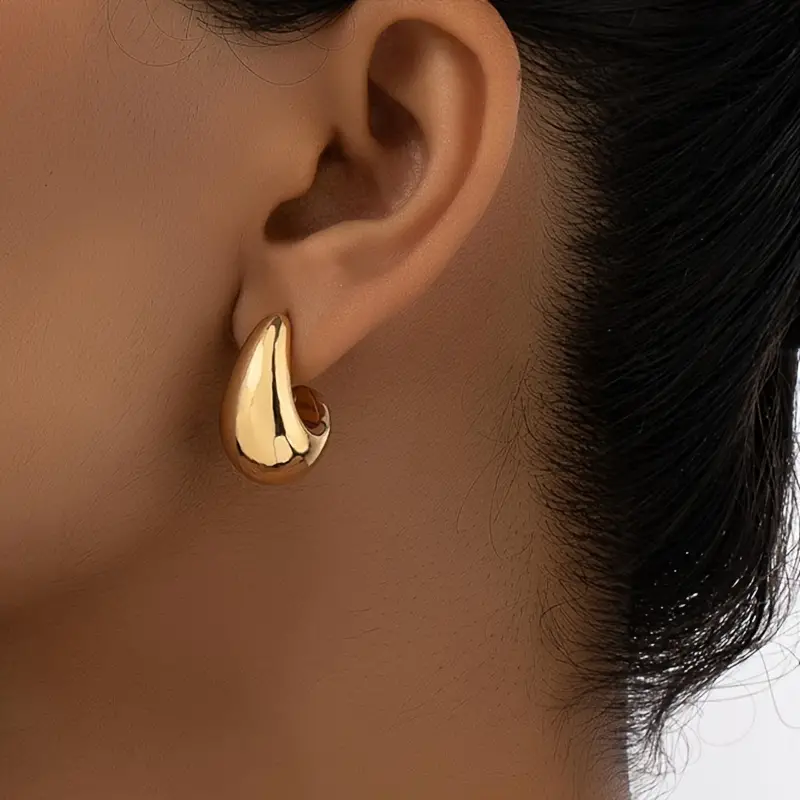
271, 432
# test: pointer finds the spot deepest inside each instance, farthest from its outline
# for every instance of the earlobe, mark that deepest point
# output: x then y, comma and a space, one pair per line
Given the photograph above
423, 103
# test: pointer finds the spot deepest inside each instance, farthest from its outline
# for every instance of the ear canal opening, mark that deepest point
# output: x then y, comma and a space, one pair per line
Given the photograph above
347, 189
342, 191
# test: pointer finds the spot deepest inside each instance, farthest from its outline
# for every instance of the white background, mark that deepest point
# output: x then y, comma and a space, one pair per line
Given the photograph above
743, 742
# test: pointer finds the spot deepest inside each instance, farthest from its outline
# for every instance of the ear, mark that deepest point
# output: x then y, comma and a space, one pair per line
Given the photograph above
411, 122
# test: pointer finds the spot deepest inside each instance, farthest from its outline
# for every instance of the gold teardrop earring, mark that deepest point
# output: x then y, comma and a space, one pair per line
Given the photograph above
273, 433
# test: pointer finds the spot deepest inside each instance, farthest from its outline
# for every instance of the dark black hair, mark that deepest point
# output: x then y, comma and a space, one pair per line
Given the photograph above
672, 442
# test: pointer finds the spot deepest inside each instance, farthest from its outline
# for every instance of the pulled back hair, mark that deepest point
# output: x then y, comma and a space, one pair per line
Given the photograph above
672, 443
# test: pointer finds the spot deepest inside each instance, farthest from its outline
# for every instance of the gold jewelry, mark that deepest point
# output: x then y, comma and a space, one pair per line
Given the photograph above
271, 432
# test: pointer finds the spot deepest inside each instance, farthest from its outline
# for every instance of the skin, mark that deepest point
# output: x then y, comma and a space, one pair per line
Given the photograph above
169, 630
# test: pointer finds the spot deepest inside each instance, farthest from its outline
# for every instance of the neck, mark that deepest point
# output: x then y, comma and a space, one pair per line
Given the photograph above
252, 664
391, 652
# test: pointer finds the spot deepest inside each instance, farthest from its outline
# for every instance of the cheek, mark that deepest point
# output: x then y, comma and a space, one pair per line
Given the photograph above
97, 400
112, 288
111, 308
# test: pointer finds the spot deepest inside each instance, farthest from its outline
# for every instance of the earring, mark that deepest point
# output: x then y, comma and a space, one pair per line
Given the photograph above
271, 432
